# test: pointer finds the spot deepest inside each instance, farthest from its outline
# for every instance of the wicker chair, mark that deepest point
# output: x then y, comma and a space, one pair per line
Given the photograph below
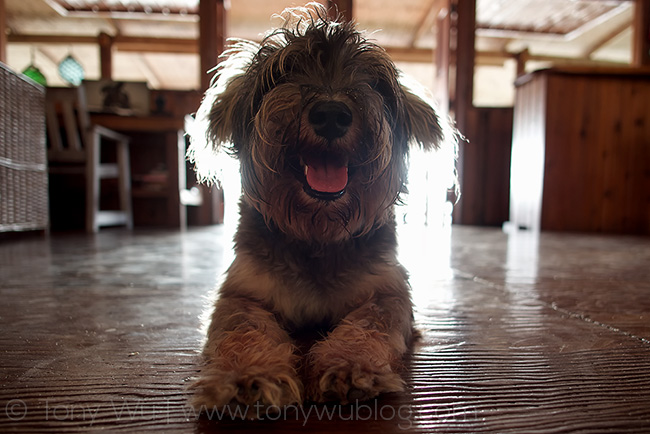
78, 142
23, 165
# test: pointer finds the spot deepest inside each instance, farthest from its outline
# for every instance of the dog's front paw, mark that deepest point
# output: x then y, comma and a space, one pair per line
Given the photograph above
350, 381
349, 373
245, 395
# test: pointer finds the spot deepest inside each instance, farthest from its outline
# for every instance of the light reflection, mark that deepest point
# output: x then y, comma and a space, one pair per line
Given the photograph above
425, 251
424, 226
522, 258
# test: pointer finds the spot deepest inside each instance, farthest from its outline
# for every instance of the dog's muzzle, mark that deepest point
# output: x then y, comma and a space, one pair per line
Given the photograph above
330, 119
326, 173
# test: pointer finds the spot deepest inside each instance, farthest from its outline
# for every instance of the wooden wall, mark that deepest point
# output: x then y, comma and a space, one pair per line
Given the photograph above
594, 127
485, 172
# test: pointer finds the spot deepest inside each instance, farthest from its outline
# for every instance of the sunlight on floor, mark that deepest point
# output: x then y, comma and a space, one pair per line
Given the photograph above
425, 251
424, 226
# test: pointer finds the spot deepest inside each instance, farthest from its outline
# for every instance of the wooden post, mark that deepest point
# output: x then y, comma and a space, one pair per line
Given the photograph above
212, 38
462, 54
465, 36
443, 59
212, 41
641, 44
521, 58
3, 33
341, 8
105, 55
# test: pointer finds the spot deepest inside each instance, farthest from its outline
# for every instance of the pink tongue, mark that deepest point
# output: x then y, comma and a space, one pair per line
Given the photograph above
326, 176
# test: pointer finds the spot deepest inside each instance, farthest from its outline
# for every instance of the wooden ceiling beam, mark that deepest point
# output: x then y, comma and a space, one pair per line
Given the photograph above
417, 55
156, 45
149, 72
605, 39
51, 39
120, 43
191, 46
426, 21
134, 11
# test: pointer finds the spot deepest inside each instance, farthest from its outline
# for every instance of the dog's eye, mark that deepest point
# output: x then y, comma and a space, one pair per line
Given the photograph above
352, 95
277, 76
387, 93
308, 93
381, 87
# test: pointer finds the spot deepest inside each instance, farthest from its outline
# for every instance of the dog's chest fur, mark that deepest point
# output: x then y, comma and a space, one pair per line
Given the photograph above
307, 285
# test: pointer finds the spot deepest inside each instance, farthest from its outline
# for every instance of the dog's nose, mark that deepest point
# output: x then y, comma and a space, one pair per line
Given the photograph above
330, 119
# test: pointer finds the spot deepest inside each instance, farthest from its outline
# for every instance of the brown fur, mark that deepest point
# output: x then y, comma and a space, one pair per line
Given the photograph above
305, 263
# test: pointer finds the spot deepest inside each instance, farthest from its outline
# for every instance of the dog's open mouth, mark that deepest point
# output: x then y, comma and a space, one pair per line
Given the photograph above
326, 175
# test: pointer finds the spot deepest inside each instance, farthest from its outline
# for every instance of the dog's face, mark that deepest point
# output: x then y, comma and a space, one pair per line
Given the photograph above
321, 125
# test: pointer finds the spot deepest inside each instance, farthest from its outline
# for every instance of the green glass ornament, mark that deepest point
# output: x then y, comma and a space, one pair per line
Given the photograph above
35, 74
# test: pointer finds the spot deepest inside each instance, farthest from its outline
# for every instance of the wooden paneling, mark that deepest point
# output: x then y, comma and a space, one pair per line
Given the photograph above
595, 134
486, 167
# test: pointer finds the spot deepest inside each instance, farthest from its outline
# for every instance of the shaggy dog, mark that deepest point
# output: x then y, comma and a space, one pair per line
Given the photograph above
315, 305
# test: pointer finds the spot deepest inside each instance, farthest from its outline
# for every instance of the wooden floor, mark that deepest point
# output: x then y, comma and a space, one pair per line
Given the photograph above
521, 334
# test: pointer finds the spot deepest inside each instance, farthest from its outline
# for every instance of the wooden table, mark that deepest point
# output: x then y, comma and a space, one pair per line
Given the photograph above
158, 169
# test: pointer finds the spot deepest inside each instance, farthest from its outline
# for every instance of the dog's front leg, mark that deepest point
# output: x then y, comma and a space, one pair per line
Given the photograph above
359, 358
250, 361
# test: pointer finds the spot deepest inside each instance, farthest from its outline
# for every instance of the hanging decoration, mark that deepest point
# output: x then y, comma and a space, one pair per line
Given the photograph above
71, 70
34, 73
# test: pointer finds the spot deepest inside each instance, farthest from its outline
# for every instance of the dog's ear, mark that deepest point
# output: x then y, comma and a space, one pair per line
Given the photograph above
218, 125
225, 114
426, 127
211, 132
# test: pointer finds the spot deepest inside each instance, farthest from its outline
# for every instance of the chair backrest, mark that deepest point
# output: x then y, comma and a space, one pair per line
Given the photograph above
67, 123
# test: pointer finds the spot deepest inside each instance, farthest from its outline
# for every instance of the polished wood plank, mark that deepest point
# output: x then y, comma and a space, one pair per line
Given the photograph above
520, 333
